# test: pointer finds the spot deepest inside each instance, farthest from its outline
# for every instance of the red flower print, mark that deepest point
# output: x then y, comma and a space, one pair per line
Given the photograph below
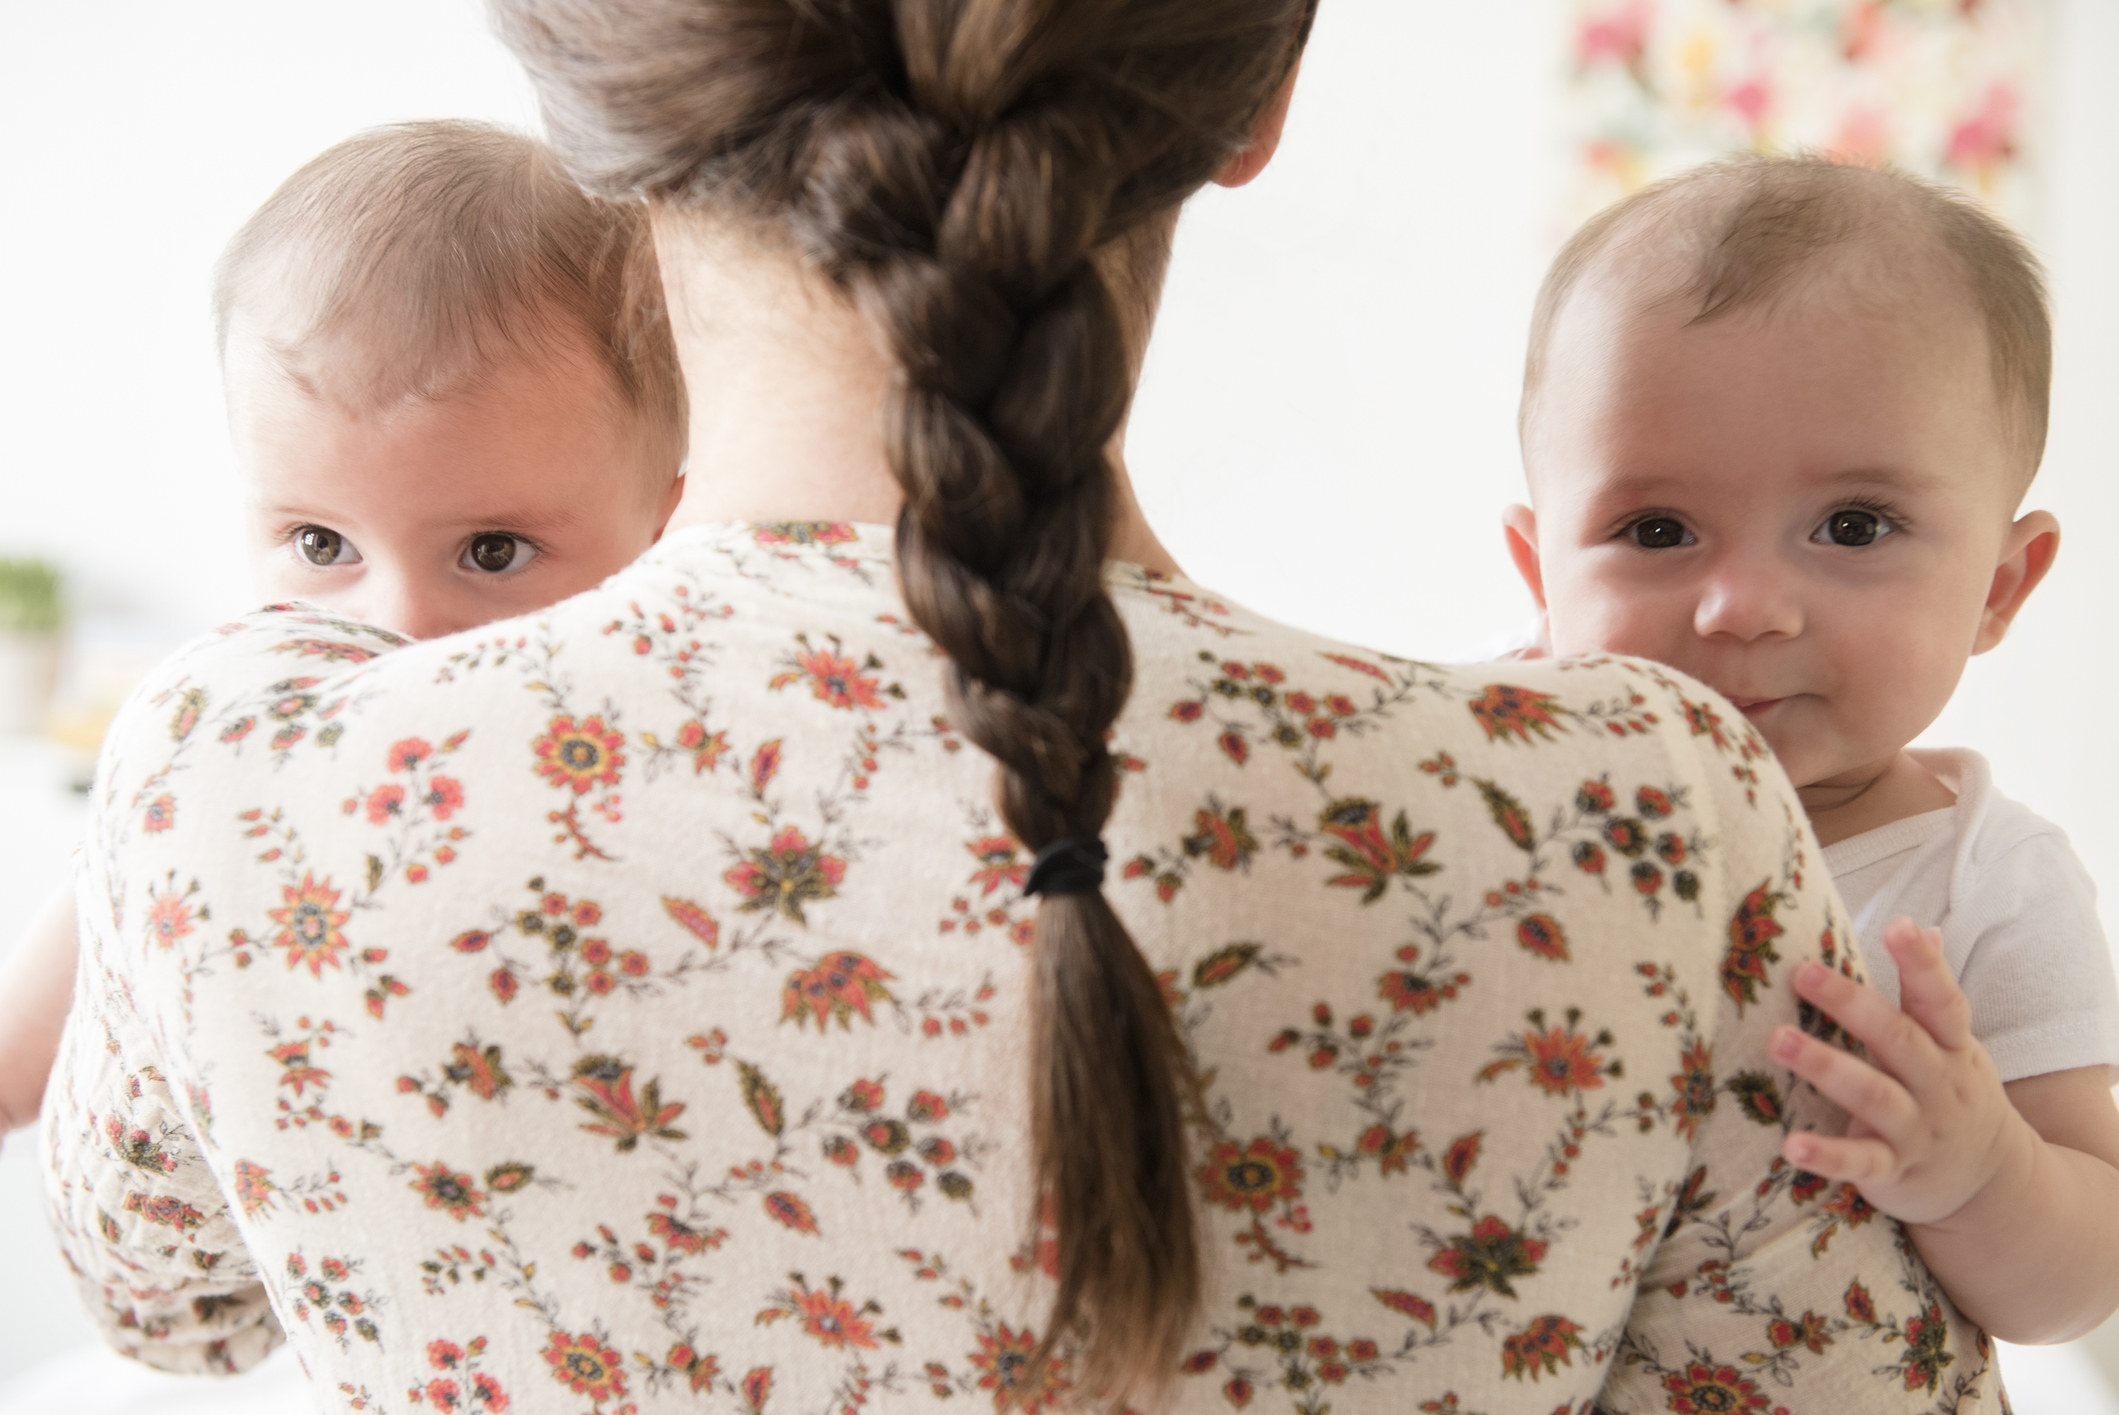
1541, 934
253, 1188
700, 1370
790, 1210
167, 1210
1255, 1176
679, 1236
456, 1195
1507, 712
604, 1087
1391, 1151
585, 1366
503, 984
445, 796
862, 1096
841, 985
310, 925
477, 1071
834, 679
1702, 1389
786, 874
1371, 857
405, 755
803, 533
1000, 862
1221, 838
1751, 935
1489, 1256
488, 1390
1540, 1348
1509, 815
1808, 1331
1859, 1306
160, 815
442, 1393
1561, 1061
1462, 1154
1594, 798
1652, 803
1003, 1358
169, 917
707, 748
385, 803
832, 1320
444, 1355
579, 755
1695, 1088
696, 920
1235, 746
1927, 1351
1589, 857
765, 765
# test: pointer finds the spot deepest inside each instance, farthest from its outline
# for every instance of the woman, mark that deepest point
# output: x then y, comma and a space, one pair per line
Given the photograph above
655, 1001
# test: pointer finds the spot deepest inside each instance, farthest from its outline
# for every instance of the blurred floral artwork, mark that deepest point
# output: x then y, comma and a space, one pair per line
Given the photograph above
1935, 87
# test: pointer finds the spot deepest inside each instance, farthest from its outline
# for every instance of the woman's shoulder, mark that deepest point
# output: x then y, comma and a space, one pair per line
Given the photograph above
1201, 658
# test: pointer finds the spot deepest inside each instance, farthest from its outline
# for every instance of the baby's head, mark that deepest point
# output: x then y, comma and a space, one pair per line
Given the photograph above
1778, 416
451, 386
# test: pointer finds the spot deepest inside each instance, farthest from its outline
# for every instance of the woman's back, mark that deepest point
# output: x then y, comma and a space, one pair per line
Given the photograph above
719, 1089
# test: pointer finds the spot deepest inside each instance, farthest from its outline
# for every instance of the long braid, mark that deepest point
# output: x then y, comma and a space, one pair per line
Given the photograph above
958, 166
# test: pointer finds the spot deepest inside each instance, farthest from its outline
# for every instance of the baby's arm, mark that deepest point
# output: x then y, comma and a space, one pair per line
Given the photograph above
2011, 1194
36, 987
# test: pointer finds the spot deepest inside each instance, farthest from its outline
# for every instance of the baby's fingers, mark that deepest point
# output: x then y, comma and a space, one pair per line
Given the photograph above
1899, 1044
1927, 990
1853, 1085
1863, 1160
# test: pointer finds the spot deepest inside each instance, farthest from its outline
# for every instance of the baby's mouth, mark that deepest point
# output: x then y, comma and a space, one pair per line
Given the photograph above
1752, 707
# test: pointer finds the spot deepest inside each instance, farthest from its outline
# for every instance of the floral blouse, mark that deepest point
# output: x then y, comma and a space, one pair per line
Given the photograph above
621, 1010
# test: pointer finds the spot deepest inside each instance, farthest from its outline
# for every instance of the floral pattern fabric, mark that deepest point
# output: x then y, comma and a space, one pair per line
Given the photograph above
620, 1010
1939, 88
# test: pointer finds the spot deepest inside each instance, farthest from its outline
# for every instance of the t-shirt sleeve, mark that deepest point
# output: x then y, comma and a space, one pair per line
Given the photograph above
2037, 968
1763, 1286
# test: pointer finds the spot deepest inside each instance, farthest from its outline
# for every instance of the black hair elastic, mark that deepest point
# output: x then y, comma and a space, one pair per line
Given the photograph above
1073, 864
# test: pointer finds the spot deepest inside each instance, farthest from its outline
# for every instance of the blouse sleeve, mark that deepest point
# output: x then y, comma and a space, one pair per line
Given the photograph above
147, 1209
1770, 1287
140, 1219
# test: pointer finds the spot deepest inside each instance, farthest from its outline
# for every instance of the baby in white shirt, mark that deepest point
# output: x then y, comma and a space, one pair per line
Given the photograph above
1778, 419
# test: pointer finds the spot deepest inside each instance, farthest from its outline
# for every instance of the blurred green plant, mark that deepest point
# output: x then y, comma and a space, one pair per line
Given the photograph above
30, 601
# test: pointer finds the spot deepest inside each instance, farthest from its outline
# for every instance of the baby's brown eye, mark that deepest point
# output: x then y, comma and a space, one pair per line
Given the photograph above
1853, 527
1658, 533
496, 551
320, 545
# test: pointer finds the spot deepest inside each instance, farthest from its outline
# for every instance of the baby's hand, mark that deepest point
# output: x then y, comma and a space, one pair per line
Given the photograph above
1930, 1124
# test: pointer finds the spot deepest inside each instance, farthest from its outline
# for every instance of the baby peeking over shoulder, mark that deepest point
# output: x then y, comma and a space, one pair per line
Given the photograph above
1778, 419
453, 398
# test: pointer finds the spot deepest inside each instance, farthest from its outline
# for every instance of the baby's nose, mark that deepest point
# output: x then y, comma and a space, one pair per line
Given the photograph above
1748, 601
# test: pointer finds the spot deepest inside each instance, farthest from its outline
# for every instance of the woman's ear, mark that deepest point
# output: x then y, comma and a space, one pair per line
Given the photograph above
1265, 137
2026, 555
1519, 525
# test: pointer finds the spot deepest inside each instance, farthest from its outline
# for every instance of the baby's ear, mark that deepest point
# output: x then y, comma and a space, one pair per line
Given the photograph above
1519, 525
2026, 554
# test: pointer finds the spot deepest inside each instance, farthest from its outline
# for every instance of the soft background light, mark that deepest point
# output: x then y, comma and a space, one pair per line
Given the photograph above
1326, 431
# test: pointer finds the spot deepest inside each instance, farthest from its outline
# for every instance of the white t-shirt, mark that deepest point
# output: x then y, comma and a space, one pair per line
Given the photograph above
2018, 914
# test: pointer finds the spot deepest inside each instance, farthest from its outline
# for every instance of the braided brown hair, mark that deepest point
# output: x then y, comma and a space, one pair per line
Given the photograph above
958, 166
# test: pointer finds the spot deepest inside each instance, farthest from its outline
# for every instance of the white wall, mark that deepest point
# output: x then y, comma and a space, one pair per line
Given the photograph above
1326, 429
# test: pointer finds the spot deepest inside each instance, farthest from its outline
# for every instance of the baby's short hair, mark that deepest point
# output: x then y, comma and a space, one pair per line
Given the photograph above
410, 260
1750, 225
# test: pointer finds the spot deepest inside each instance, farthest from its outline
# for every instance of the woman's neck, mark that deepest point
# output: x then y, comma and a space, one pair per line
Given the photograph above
787, 387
